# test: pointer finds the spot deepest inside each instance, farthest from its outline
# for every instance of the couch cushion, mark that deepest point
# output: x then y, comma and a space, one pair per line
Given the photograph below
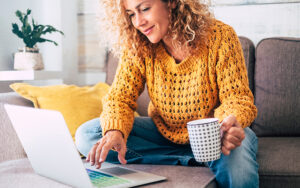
279, 161
77, 104
179, 176
277, 87
18, 173
10, 146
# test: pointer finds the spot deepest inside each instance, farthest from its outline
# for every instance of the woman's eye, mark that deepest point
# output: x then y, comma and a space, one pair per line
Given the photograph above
131, 15
145, 9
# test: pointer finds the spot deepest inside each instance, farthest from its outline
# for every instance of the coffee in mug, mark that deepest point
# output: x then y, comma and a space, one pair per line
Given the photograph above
205, 139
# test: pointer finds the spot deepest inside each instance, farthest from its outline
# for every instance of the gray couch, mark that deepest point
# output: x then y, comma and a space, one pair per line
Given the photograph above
273, 70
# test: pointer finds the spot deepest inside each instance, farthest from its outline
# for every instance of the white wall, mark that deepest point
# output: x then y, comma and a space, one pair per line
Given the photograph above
61, 14
49, 12
70, 41
247, 2
91, 54
274, 18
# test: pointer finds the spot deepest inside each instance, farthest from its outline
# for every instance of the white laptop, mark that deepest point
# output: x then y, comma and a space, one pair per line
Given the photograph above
53, 154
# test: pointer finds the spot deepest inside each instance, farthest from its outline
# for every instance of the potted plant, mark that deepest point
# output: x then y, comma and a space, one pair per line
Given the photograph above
31, 34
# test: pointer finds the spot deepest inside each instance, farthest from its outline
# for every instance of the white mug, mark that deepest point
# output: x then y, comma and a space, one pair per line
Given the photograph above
205, 139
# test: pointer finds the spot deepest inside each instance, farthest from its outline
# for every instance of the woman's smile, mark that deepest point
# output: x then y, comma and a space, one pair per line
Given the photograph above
148, 31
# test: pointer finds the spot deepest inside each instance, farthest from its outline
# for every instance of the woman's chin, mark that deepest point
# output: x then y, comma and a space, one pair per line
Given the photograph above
154, 41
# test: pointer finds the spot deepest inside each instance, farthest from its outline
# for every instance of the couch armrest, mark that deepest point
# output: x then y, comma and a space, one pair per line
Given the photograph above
10, 146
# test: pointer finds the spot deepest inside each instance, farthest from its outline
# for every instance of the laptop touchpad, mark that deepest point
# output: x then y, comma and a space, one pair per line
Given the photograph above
118, 171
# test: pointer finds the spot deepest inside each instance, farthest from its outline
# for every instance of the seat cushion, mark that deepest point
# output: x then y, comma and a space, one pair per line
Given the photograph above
279, 161
277, 87
19, 173
178, 176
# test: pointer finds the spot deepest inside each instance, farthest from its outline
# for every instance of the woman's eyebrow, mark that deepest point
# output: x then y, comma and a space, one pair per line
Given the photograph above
138, 6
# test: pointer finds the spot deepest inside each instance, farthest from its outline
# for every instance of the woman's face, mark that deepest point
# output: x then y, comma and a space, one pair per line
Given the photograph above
150, 17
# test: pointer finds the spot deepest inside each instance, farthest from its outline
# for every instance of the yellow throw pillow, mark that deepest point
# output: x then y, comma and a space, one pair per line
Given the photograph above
77, 104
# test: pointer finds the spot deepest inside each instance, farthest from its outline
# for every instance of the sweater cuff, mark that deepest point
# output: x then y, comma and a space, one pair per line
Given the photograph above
115, 124
241, 118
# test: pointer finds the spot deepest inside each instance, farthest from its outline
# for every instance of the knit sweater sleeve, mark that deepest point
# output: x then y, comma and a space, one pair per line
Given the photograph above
235, 96
120, 102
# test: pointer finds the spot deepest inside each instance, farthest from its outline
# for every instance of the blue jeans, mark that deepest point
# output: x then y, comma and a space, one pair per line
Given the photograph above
145, 145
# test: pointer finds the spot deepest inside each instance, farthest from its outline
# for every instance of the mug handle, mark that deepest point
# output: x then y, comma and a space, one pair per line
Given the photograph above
221, 132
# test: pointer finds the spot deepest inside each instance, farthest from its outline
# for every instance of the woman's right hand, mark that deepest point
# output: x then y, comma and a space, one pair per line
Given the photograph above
111, 140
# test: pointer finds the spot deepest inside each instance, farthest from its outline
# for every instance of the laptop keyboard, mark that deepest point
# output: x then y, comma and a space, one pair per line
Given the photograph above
104, 180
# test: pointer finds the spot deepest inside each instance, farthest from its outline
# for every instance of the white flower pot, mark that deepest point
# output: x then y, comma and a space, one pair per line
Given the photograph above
25, 60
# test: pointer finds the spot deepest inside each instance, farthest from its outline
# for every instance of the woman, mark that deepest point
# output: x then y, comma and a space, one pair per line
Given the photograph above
194, 68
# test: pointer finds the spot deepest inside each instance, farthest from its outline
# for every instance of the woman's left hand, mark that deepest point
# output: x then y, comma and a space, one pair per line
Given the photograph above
233, 134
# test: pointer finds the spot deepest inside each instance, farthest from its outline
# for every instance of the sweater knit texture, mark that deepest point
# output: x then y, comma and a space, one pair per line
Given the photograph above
212, 83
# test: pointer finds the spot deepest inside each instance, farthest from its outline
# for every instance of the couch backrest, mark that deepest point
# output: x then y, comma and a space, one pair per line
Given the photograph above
143, 100
249, 55
10, 146
277, 87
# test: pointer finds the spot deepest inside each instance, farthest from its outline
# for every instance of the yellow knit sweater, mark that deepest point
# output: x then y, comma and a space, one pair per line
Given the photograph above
213, 83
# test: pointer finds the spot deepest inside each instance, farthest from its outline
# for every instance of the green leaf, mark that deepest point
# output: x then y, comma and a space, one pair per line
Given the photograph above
28, 11
29, 42
50, 29
47, 40
19, 15
25, 24
28, 29
17, 31
38, 31
31, 32
33, 24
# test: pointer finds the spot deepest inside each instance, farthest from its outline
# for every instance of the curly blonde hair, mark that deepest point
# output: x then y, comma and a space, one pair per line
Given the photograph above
190, 23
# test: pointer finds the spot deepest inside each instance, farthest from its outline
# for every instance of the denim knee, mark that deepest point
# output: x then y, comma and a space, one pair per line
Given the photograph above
239, 169
87, 135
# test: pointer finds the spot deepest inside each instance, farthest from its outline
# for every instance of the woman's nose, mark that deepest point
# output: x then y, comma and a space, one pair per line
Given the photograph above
139, 20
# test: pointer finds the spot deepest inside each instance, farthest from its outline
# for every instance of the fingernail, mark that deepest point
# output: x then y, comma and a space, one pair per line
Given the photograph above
98, 166
101, 160
92, 163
